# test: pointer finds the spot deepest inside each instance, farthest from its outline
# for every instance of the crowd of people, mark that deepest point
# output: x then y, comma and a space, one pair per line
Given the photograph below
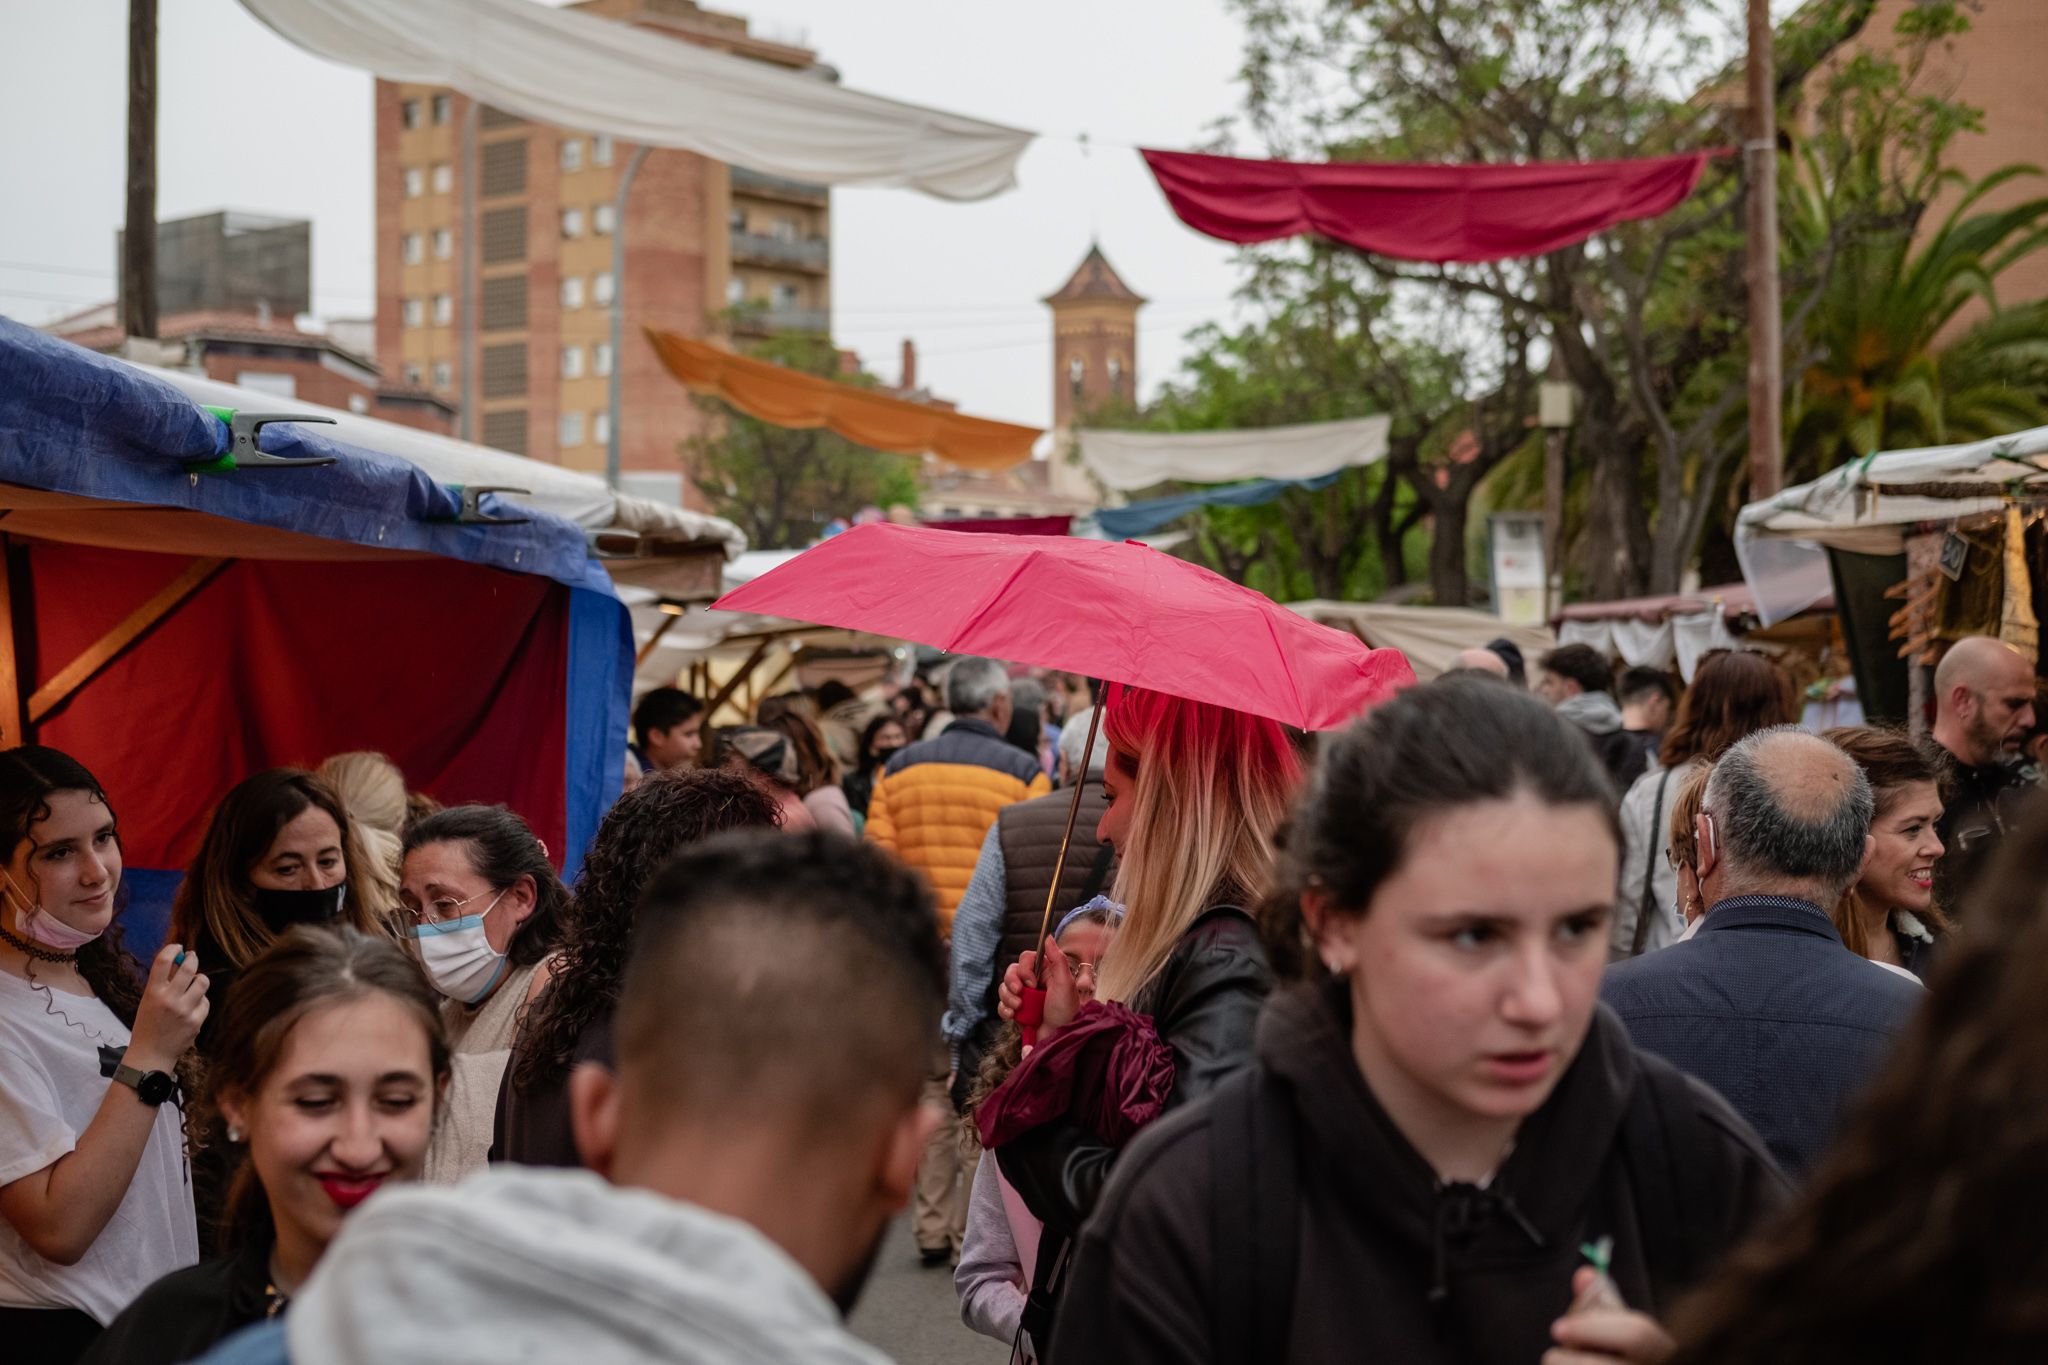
1547, 1013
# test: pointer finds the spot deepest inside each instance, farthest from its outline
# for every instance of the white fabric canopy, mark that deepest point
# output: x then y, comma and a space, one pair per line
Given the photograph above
582, 498
1675, 642
1431, 637
1782, 542
1130, 460
596, 75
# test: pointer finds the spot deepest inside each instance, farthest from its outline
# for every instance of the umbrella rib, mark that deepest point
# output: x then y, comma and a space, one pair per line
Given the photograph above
1286, 667
983, 607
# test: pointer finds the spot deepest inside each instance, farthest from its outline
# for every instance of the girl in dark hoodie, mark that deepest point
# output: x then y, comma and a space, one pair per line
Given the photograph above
1444, 1133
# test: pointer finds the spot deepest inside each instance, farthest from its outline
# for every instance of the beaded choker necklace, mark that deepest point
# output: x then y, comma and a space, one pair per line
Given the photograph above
35, 950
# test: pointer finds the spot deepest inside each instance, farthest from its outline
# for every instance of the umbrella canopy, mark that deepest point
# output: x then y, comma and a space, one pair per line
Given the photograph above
1119, 611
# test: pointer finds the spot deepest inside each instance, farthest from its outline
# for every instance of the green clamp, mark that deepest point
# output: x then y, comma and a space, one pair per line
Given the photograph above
242, 452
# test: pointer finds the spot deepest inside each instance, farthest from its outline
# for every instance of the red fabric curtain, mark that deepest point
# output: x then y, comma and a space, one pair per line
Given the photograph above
1422, 213
1008, 526
454, 670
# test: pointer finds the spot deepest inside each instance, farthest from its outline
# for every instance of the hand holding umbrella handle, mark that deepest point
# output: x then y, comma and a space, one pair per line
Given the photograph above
1031, 1013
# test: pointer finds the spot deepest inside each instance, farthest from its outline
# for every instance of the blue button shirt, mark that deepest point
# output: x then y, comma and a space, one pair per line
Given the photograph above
1765, 1005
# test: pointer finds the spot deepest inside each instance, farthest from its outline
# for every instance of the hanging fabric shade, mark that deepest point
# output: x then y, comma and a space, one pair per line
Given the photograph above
1143, 518
1007, 526
791, 398
1130, 460
577, 71
1418, 212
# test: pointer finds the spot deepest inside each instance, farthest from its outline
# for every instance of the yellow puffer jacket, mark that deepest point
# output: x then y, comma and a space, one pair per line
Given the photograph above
934, 803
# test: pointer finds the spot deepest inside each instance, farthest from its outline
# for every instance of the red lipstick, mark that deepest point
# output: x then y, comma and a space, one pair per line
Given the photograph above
347, 1191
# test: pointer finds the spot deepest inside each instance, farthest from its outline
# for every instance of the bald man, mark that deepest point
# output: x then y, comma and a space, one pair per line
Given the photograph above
1765, 1004
1479, 661
1984, 707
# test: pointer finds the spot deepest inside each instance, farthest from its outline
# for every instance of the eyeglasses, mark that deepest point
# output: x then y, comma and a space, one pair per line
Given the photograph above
1079, 967
444, 908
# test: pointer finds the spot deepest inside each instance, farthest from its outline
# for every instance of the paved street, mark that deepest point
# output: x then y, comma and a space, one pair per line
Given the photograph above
911, 1312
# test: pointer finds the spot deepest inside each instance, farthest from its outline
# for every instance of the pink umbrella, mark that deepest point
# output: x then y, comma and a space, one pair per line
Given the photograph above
1121, 612
1118, 611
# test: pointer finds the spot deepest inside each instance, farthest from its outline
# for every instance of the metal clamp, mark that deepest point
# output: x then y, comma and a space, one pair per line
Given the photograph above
242, 452
472, 513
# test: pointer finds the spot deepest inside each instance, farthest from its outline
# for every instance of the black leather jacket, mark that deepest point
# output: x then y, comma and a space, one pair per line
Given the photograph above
1205, 1003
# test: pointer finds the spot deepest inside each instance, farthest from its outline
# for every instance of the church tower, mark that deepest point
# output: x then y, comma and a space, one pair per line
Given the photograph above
1094, 340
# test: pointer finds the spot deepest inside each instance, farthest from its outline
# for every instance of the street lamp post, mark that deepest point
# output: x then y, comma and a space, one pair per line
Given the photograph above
611, 443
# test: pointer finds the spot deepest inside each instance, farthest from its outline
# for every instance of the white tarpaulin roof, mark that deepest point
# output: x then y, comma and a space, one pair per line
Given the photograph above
582, 498
1782, 541
1431, 637
1130, 460
582, 72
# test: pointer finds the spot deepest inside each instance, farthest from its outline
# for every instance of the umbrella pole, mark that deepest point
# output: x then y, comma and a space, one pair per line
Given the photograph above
1073, 813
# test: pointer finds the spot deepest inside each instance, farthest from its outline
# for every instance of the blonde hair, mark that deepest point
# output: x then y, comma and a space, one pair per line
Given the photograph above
1208, 787
372, 791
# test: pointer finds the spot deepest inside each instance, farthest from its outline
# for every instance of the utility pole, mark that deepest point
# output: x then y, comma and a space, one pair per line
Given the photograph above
138, 243
1766, 345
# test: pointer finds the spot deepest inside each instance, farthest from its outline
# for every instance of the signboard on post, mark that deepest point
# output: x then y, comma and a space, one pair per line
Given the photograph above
1519, 571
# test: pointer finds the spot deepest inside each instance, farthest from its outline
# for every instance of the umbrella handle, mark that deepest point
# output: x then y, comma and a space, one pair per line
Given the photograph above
1031, 1013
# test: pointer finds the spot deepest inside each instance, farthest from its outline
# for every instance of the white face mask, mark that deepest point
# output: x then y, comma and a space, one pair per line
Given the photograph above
40, 927
458, 955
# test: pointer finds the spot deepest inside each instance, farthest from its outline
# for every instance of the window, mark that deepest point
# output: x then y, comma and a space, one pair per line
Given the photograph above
572, 291
415, 182
359, 403
572, 222
1116, 374
782, 230
601, 358
601, 288
412, 375
601, 150
1077, 369
735, 291
572, 362
409, 114
415, 312
604, 218
572, 428
444, 375
572, 155
442, 106
601, 427
444, 244
785, 296
269, 381
737, 220
413, 247
444, 310
444, 178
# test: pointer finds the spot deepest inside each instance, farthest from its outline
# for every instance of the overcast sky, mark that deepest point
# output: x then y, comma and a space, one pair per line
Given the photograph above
249, 122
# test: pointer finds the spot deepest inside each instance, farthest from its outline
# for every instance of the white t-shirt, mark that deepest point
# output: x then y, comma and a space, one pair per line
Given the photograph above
50, 1088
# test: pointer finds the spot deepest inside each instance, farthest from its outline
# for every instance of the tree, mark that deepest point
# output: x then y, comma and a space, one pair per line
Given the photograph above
1648, 320
781, 485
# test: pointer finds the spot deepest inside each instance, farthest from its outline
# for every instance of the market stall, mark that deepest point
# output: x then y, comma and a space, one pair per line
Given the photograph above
1430, 636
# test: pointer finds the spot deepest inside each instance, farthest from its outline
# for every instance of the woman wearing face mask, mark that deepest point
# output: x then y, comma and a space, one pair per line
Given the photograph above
570, 1023
1443, 1134
488, 911
878, 743
277, 853
330, 1068
95, 1197
1890, 915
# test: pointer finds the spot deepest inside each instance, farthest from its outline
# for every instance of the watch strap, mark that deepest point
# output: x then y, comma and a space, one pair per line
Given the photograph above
133, 1078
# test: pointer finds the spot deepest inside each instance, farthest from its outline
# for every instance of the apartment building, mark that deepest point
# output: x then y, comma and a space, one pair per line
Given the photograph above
526, 216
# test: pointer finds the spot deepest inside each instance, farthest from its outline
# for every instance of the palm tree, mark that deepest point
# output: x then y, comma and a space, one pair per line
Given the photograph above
1884, 378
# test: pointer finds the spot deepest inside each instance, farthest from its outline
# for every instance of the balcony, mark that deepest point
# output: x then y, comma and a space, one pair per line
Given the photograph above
766, 320
759, 248
764, 186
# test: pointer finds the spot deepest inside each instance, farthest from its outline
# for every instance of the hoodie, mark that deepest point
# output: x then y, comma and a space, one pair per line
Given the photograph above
522, 1263
1394, 1266
1624, 753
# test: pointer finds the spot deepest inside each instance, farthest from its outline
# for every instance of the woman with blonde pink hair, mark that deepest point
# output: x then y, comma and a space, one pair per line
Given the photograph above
1196, 793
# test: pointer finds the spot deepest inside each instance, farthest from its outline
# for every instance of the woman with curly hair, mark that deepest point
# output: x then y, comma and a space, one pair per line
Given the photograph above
571, 1021
1919, 1238
95, 1195
1890, 916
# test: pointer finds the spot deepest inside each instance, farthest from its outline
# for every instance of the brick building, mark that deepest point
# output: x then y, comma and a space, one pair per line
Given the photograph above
1094, 340
701, 238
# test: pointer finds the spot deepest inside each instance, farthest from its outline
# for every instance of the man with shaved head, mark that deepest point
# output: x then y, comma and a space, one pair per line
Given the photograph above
1479, 661
1984, 707
1764, 1003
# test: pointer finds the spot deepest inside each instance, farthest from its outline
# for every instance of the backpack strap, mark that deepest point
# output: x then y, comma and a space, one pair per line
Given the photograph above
1255, 1188
1669, 1153
1643, 903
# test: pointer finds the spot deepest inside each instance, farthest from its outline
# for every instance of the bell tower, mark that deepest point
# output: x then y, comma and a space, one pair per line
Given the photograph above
1094, 340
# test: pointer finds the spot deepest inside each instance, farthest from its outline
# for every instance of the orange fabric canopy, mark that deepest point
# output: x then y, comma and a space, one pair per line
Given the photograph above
790, 398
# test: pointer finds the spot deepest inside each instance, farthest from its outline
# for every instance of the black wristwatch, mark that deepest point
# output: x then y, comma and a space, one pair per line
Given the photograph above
152, 1087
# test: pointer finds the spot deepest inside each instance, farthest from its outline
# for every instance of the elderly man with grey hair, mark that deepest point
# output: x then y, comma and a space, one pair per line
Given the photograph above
1764, 1003
933, 806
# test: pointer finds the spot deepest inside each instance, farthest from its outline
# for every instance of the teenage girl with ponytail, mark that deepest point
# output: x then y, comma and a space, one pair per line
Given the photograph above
95, 1193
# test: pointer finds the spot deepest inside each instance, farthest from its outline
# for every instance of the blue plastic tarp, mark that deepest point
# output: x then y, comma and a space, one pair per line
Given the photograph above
1143, 518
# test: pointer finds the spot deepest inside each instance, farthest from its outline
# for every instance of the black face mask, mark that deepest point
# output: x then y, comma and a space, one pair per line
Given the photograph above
280, 910
882, 756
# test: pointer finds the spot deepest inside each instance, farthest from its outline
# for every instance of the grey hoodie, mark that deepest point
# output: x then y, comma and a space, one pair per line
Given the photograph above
1596, 713
532, 1264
